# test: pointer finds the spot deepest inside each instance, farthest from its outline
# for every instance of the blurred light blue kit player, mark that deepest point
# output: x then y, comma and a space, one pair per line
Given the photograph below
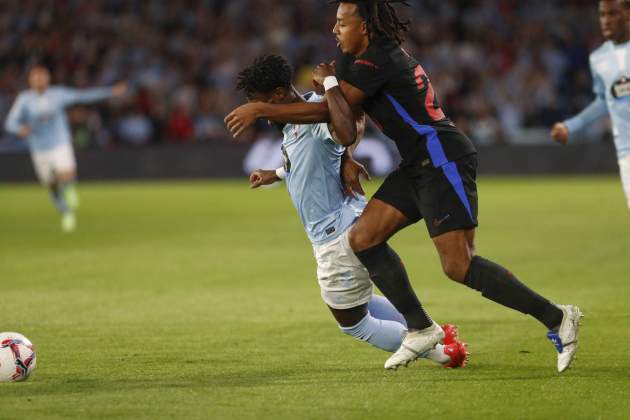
38, 116
610, 67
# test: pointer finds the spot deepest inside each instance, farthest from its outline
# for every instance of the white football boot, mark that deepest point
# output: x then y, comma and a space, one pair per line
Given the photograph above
415, 345
566, 339
68, 222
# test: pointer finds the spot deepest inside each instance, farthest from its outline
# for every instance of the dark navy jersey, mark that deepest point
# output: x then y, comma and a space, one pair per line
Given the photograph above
402, 103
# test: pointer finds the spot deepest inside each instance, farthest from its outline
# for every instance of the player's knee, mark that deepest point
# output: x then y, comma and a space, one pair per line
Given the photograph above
65, 177
360, 239
456, 268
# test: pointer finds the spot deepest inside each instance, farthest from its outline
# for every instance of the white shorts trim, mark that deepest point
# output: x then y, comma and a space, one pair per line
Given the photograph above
624, 169
344, 282
50, 162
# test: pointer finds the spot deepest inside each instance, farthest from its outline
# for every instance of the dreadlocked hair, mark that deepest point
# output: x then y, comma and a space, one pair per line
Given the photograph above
381, 18
268, 72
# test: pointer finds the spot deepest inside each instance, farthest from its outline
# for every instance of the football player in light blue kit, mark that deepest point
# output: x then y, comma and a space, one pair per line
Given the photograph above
313, 155
610, 67
38, 116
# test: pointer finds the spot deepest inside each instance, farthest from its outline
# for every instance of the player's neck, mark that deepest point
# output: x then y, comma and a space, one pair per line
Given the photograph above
364, 46
294, 96
622, 39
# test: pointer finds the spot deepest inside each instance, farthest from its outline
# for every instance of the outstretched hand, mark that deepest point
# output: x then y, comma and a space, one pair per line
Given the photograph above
241, 118
560, 133
351, 172
119, 89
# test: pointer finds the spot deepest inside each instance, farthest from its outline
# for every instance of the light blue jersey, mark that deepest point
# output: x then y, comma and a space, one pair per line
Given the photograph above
610, 67
45, 114
312, 163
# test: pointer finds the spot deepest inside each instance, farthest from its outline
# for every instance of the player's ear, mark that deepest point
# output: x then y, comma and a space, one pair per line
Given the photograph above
278, 95
364, 29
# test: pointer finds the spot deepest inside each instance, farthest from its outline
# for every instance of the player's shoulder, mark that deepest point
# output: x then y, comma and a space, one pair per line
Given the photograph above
57, 89
313, 97
318, 130
377, 56
601, 52
23, 96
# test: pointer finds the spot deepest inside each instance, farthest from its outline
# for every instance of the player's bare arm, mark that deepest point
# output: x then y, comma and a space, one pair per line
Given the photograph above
341, 114
351, 170
244, 116
262, 177
24, 132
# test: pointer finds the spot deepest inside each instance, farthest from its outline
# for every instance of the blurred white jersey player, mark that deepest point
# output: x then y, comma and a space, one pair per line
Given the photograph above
38, 116
610, 67
313, 157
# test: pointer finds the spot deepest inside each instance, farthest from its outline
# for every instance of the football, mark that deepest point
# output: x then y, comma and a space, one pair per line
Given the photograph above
17, 357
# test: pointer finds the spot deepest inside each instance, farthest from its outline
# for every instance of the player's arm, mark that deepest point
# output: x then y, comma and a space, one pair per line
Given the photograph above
351, 170
342, 116
296, 113
597, 109
265, 177
14, 123
74, 96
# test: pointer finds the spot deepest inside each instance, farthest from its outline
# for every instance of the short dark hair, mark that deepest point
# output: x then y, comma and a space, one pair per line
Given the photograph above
268, 72
381, 18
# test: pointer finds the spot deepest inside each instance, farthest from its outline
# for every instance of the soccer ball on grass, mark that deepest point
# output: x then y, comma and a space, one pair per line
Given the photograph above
17, 357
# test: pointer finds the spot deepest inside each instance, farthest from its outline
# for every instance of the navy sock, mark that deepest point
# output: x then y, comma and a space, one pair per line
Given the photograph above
389, 275
499, 285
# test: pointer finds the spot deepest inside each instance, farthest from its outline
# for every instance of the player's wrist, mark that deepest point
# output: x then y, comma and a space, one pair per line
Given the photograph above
330, 82
260, 110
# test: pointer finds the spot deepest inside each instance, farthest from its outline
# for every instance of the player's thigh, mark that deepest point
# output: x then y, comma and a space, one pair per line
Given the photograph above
393, 207
448, 197
64, 163
344, 282
44, 165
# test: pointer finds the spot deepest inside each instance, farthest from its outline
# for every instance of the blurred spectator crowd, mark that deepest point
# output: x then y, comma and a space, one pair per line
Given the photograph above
501, 67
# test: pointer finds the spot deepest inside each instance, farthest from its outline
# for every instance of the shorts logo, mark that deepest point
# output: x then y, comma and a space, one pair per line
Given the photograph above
437, 223
330, 231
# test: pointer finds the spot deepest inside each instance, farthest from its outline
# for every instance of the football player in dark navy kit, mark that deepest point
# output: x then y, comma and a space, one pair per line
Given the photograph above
435, 181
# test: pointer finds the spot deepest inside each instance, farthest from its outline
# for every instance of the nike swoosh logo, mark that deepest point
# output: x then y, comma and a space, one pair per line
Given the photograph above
437, 222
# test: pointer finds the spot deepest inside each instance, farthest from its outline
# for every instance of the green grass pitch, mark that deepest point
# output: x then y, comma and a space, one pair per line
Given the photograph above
199, 300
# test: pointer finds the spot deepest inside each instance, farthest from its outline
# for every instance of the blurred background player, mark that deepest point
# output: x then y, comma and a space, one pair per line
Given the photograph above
38, 116
610, 67
313, 156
